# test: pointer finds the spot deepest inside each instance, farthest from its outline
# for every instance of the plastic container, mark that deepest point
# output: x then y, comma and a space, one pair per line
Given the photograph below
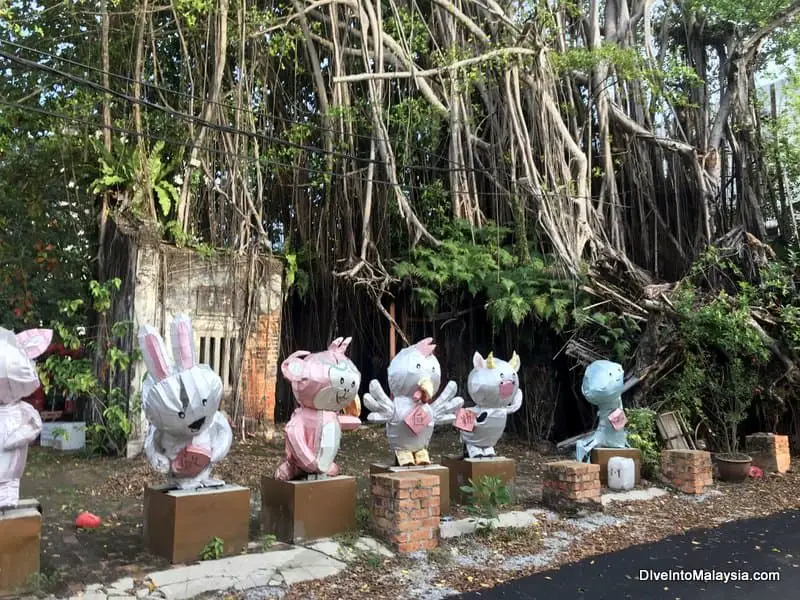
621, 473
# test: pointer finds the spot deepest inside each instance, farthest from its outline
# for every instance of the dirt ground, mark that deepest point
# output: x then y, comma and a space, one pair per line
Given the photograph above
67, 484
112, 488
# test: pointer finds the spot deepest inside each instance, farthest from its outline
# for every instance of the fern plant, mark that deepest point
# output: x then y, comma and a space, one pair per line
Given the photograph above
133, 170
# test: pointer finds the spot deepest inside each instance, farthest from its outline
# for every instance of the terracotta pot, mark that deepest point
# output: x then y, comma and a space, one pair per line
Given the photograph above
734, 468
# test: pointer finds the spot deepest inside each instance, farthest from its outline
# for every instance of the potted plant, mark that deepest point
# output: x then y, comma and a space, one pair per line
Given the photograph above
727, 408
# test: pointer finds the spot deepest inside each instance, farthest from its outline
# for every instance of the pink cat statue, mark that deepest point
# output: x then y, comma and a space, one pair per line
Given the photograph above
188, 435
325, 385
20, 423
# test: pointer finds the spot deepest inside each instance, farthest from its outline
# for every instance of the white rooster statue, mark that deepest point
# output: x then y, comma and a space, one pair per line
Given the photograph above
411, 412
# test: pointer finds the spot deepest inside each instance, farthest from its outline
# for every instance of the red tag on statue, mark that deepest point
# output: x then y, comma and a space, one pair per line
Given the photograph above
465, 420
191, 461
417, 420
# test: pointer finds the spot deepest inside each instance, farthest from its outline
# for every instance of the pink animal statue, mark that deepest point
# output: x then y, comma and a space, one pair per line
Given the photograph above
20, 423
325, 385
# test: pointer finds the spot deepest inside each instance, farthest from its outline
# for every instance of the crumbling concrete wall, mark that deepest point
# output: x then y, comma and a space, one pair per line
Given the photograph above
235, 303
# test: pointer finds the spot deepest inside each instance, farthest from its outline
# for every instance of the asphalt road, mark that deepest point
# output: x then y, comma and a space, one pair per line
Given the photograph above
745, 548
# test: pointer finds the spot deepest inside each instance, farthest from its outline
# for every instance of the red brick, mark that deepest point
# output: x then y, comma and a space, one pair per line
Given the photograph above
403, 526
410, 515
400, 538
689, 471
420, 535
260, 368
431, 502
770, 452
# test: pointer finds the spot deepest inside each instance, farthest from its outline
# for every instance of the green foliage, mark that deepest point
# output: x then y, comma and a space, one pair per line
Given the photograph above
409, 27
193, 10
614, 331
132, 169
627, 62
213, 550
297, 269
725, 361
480, 265
417, 127
486, 496
642, 435
78, 377
268, 540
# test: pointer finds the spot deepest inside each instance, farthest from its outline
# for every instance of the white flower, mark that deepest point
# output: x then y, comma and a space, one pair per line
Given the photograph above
178, 179
71, 185
123, 139
98, 134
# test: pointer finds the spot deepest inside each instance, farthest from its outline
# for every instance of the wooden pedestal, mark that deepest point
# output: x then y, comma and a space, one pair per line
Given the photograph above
600, 457
179, 524
304, 510
442, 472
464, 469
20, 544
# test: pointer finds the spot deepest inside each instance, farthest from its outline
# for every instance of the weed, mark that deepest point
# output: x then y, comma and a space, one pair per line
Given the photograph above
213, 549
485, 496
440, 556
268, 540
348, 539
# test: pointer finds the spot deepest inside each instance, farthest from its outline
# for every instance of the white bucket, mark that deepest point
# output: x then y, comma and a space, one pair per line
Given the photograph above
621, 473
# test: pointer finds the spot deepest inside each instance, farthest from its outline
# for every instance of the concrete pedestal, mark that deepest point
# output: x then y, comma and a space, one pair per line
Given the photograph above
179, 524
600, 457
20, 545
464, 469
300, 511
442, 472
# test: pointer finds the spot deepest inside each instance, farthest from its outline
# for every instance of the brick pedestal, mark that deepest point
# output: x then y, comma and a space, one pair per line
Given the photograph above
570, 484
689, 471
443, 473
405, 509
20, 542
770, 452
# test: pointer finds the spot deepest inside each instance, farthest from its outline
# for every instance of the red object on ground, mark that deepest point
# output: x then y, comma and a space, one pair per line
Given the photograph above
87, 520
755, 472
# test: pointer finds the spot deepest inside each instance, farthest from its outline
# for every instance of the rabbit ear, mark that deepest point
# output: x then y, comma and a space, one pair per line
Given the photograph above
154, 351
34, 341
182, 338
345, 344
334, 345
477, 361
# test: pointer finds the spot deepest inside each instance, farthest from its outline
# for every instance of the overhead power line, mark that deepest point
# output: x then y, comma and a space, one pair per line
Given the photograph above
244, 158
198, 99
82, 81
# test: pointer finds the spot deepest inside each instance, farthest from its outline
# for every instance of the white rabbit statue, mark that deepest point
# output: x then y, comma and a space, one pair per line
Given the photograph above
20, 423
187, 435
